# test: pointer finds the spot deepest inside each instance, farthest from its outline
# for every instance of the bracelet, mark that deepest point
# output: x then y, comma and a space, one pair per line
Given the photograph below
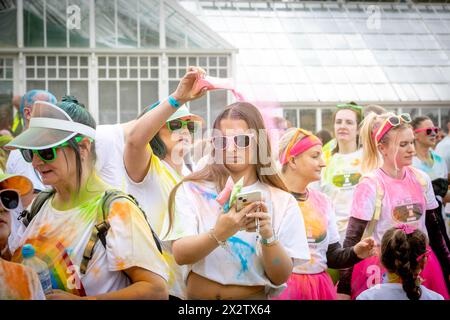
212, 236
173, 102
270, 242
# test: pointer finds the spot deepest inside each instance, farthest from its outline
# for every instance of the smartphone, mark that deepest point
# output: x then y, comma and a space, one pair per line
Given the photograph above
244, 199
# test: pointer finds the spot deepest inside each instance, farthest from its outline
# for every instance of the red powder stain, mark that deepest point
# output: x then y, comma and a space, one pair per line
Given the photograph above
16, 279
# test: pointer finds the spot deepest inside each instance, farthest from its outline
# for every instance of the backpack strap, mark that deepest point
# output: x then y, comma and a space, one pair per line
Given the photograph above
27, 215
102, 225
420, 178
379, 194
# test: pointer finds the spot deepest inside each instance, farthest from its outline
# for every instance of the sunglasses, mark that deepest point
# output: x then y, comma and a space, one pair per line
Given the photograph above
241, 141
9, 199
391, 122
177, 124
429, 131
46, 155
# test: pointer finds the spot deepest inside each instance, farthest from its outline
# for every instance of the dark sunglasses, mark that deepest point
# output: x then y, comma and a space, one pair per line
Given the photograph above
9, 199
177, 124
240, 140
46, 155
429, 131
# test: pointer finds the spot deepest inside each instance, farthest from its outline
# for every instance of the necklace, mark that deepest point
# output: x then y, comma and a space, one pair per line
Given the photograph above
301, 196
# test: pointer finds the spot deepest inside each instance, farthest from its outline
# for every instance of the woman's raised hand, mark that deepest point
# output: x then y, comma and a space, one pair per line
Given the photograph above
186, 90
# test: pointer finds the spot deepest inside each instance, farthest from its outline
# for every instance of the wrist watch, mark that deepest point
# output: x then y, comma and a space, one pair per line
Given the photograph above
270, 241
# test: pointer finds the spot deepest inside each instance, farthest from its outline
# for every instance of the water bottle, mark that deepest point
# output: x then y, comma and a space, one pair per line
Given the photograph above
39, 266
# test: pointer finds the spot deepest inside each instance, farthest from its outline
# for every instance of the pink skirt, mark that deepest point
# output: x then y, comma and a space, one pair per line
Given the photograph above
309, 287
369, 272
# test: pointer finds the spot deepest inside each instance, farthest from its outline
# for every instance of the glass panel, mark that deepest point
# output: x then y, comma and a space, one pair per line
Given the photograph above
181, 33
107, 102
425, 92
128, 100
58, 88
149, 93
308, 119
127, 23
8, 24
327, 120
105, 35
443, 91
80, 90
35, 84
33, 31
445, 118
6, 88
291, 116
79, 38
56, 23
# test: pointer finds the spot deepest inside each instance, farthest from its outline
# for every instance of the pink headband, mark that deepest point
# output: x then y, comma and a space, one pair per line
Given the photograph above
301, 146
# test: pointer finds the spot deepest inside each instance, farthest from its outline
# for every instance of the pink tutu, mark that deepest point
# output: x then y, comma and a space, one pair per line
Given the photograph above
369, 272
317, 286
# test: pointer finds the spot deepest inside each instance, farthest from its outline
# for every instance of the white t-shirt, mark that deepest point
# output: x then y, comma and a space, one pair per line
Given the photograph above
152, 193
17, 165
60, 238
437, 170
19, 282
443, 149
240, 264
394, 291
339, 180
109, 149
321, 231
404, 201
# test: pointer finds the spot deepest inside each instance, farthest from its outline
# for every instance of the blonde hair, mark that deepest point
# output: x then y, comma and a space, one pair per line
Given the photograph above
372, 158
284, 142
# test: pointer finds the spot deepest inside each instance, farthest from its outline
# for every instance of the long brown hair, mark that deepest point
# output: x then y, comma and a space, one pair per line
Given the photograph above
218, 173
358, 122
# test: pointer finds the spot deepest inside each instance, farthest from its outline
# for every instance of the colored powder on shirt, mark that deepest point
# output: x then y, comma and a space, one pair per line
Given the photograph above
243, 251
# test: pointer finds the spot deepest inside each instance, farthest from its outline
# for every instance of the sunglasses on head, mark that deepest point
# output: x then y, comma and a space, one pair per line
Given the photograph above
241, 141
429, 130
9, 199
391, 122
46, 155
178, 124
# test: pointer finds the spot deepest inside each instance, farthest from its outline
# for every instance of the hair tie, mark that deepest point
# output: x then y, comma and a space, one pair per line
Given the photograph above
407, 229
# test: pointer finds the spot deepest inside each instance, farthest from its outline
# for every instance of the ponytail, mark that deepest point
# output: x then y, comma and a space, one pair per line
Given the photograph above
371, 158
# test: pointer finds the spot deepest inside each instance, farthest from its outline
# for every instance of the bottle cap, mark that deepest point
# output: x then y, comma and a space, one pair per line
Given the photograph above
28, 251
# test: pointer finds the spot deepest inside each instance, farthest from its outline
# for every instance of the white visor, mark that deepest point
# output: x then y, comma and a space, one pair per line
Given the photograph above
49, 126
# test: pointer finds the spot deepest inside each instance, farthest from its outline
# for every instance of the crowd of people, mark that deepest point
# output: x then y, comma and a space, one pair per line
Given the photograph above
126, 211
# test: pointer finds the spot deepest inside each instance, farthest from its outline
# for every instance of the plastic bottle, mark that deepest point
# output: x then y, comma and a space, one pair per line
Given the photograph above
39, 266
